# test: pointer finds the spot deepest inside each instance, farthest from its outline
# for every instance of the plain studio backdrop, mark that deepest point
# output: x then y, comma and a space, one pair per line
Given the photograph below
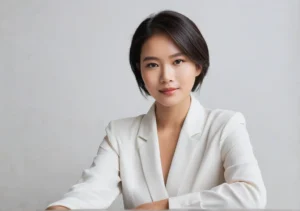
65, 74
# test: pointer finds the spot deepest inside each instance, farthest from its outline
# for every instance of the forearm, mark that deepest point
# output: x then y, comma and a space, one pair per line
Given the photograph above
239, 195
58, 208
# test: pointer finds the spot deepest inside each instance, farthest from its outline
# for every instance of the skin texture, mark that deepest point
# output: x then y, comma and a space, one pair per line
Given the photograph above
160, 69
57, 208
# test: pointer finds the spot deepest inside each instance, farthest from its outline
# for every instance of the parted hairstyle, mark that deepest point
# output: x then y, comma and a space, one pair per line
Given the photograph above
182, 31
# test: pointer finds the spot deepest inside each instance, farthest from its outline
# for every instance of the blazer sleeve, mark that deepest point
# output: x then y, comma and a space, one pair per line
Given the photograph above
100, 184
243, 187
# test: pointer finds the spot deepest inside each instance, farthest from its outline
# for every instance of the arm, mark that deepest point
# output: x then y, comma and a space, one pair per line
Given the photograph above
99, 185
244, 187
57, 208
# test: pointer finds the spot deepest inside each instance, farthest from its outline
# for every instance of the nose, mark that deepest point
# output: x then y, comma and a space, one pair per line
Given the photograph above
167, 74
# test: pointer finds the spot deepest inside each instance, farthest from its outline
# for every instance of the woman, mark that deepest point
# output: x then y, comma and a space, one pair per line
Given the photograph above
179, 154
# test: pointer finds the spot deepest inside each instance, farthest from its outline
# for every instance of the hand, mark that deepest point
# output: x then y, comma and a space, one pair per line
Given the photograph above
157, 205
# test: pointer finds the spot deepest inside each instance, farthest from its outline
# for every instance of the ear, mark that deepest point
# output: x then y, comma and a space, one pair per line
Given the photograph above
198, 69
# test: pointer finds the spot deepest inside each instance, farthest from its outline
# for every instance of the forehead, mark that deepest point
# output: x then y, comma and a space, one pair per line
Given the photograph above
159, 45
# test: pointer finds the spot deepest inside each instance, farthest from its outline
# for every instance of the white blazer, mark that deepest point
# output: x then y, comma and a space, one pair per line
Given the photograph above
213, 165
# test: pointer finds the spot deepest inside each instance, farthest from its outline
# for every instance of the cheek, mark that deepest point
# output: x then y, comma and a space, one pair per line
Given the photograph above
149, 79
186, 76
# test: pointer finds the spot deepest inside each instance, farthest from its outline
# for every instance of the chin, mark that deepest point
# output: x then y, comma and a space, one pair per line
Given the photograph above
168, 101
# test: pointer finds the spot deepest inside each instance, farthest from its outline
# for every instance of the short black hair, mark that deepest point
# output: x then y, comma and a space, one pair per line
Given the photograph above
182, 31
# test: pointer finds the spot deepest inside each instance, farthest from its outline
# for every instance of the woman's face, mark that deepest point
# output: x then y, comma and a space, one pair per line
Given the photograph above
168, 74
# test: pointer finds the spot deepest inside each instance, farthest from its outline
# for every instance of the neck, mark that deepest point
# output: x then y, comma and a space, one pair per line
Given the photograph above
172, 117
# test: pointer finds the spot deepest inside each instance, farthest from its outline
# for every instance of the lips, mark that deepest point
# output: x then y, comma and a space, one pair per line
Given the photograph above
168, 89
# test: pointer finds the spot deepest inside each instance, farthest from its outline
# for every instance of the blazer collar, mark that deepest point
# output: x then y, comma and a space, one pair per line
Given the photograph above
150, 153
193, 123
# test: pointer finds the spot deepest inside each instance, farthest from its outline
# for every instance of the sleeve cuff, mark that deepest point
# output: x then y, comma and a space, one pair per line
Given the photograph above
69, 203
184, 201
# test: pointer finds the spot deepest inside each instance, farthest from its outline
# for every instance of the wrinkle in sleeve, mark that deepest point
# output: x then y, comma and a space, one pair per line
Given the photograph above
99, 185
244, 187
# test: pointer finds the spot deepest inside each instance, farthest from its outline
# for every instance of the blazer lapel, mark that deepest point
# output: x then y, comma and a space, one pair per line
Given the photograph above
193, 125
150, 156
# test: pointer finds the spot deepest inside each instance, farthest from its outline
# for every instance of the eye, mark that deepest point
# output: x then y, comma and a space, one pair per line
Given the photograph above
178, 61
151, 65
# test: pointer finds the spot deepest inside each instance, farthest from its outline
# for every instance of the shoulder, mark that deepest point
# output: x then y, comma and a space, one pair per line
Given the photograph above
223, 116
224, 121
124, 126
122, 129
229, 131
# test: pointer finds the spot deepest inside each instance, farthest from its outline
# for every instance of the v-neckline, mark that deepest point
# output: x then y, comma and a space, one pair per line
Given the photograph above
149, 152
171, 159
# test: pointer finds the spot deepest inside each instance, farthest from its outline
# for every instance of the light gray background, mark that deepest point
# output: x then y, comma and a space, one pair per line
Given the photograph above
65, 74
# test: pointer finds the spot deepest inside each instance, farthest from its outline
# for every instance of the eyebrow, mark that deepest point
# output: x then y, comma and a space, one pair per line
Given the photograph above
155, 58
